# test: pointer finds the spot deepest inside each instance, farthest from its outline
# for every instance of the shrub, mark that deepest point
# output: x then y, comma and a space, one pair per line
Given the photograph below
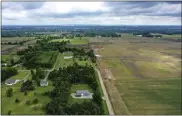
35, 101
9, 112
25, 93
28, 102
27, 86
17, 100
9, 92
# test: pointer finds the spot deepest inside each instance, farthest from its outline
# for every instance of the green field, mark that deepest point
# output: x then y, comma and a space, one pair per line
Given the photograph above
73, 41
22, 108
145, 76
21, 75
15, 39
173, 36
45, 57
151, 96
76, 87
9, 57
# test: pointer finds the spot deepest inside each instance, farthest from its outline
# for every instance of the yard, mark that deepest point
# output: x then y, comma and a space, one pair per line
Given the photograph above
22, 107
21, 75
9, 57
76, 87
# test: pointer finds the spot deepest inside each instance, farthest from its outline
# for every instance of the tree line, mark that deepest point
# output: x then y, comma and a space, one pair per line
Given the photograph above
7, 73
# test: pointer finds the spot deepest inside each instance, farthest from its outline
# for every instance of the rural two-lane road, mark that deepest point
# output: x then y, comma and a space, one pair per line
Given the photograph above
109, 106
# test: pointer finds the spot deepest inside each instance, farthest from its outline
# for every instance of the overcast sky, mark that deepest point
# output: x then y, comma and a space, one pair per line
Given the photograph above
97, 13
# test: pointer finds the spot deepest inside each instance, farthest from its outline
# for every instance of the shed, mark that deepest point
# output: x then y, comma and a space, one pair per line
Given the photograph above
68, 57
44, 83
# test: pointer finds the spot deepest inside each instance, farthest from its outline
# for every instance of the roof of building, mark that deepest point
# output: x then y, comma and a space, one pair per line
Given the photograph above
82, 92
43, 82
10, 81
68, 57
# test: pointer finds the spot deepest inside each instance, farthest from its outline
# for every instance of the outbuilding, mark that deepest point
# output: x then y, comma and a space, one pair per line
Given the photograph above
68, 57
44, 83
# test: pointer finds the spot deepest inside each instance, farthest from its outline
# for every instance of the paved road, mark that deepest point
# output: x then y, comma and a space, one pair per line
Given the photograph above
111, 112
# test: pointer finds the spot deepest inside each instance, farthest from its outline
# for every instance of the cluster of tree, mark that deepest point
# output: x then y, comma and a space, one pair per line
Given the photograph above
62, 80
37, 75
92, 56
7, 73
14, 43
32, 59
27, 86
102, 34
9, 92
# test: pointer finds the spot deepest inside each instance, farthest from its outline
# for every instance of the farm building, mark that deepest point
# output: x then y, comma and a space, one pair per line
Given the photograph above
139, 35
68, 57
4, 64
44, 83
98, 55
81, 93
11, 81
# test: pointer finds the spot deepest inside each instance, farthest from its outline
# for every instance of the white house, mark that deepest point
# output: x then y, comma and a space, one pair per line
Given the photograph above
11, 81
44, 83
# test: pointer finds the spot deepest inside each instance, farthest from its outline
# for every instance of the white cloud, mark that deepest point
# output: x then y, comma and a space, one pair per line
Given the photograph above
159, 14
68, 7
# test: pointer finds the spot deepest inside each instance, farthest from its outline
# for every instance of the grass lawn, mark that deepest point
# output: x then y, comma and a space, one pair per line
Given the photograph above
21, 75
9, 57
67, 62
22, 108
59, 61
76, 87
45, 57
73, 41
84, 62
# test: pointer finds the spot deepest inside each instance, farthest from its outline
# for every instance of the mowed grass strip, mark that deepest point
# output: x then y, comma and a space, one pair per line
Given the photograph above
22, 107
73, 41
59, 61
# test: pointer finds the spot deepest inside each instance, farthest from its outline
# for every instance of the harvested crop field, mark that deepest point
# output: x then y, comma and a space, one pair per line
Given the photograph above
147, 75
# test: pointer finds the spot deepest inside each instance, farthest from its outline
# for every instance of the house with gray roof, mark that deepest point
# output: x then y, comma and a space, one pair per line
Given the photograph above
11, 81
44, 83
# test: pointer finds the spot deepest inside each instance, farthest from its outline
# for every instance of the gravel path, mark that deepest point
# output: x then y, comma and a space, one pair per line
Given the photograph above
111, 112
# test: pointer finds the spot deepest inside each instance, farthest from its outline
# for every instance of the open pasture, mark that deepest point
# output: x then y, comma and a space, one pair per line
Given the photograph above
146, 76
73, 41
15, 39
